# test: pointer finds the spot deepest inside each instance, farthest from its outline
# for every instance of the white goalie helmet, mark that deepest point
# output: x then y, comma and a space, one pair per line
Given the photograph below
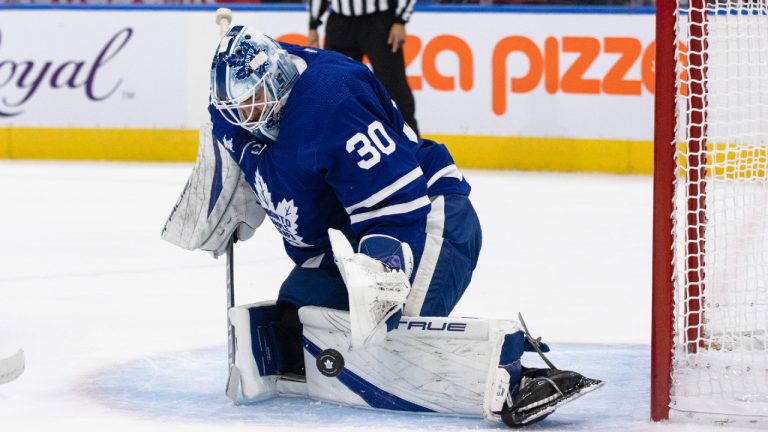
251, 77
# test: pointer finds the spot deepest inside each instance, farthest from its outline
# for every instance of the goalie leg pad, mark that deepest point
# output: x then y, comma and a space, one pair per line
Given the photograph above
265, 336
255, 349
459, 366
426, 364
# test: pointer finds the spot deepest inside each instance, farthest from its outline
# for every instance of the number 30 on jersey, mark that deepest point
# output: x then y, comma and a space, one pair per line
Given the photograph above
371, 145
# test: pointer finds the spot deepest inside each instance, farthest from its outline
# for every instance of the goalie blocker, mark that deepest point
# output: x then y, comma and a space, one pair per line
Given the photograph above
450, 366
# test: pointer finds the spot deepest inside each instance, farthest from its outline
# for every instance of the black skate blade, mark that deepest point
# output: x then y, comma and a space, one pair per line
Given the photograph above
525, 418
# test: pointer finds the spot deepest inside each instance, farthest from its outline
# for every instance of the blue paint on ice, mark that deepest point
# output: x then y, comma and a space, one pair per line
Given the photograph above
189, 386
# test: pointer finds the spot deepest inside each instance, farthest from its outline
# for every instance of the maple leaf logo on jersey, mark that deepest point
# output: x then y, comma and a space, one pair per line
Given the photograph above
227, 143
285, 216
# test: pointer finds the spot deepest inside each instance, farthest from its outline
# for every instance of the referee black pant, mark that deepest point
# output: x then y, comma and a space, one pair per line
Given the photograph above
367, 35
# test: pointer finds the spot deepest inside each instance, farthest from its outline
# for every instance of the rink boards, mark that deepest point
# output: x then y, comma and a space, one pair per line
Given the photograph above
561, 90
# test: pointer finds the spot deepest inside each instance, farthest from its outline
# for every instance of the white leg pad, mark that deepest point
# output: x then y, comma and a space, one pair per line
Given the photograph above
254, 385
437, 365
427, 364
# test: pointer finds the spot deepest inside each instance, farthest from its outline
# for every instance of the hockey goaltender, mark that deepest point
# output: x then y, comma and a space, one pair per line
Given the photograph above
383, 235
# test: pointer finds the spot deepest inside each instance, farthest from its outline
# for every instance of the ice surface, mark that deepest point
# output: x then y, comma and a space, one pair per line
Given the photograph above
125, 332
161, 386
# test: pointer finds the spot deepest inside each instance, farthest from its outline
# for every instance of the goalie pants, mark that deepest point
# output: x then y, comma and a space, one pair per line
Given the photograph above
450, 252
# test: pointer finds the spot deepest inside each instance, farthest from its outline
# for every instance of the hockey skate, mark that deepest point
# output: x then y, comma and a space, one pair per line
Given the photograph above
541, 392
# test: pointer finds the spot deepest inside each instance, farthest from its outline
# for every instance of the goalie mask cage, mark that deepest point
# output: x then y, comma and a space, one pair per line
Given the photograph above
710, 249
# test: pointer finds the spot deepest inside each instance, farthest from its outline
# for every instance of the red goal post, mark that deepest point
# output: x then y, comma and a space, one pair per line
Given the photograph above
663, 193
709, 357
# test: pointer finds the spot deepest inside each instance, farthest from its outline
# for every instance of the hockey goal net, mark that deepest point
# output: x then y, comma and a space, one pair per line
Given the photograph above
710, 317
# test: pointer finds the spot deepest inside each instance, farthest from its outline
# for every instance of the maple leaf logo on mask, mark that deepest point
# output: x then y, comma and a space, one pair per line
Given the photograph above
241, 60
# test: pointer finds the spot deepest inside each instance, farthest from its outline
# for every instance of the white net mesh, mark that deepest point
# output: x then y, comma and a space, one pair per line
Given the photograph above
720, 358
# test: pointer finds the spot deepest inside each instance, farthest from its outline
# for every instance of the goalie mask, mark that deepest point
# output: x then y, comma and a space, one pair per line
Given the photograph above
251, 76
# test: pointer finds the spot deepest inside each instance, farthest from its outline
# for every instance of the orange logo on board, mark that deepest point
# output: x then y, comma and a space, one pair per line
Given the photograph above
543, 65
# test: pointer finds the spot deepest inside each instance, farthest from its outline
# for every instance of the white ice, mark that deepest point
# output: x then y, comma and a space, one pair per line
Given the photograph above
123, 331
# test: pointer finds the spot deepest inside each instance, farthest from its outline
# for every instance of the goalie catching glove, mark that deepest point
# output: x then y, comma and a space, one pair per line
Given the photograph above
378, 288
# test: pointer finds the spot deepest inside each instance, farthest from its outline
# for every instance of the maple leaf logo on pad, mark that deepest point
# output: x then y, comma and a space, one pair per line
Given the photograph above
330, 362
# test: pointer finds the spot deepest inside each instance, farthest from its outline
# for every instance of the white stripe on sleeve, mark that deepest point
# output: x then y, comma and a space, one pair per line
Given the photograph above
358, 4
409, 132
391, 210
400, 6
449, 171
404, 9
385, 192
370, 6
346, 8
314, 8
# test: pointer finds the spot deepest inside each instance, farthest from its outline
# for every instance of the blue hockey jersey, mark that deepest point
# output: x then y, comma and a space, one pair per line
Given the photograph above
344, 159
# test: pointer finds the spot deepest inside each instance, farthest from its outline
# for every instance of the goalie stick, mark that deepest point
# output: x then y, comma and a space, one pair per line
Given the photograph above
12, 367
534, 342
223, 20
233, 380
